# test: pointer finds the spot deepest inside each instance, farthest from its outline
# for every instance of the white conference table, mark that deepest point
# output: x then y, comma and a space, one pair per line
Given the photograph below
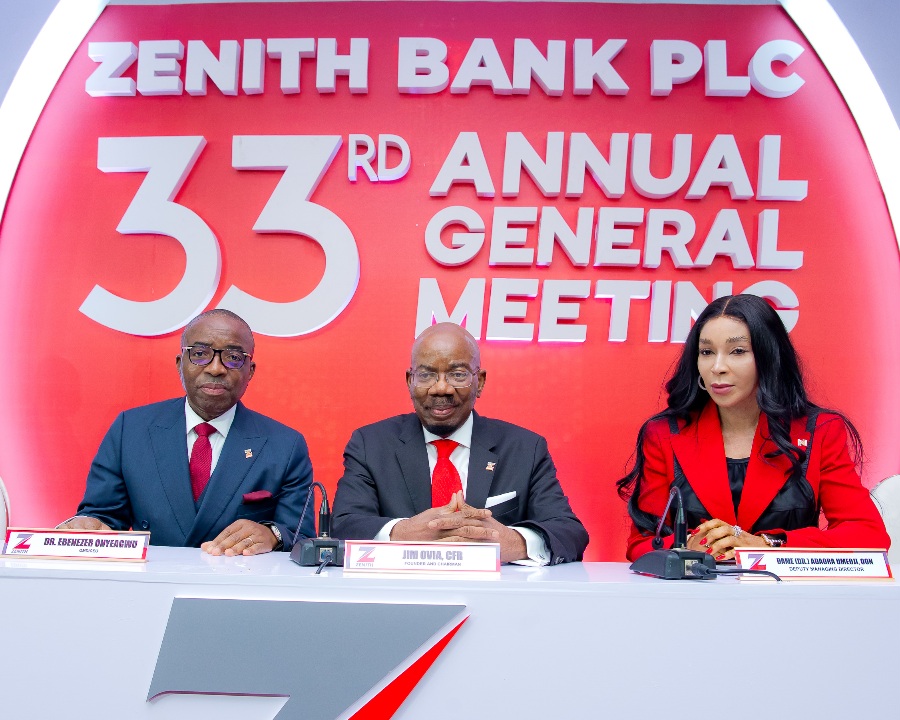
586, 640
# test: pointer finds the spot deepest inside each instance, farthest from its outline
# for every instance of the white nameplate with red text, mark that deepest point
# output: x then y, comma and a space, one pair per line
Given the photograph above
368, 556
816, 563
76, 544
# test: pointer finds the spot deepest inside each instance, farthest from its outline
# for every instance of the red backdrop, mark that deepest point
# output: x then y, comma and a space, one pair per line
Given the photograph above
67, 376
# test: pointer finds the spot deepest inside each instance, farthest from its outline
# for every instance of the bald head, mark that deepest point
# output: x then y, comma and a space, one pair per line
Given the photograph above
219, 313
446, 333
442, 394
214, 387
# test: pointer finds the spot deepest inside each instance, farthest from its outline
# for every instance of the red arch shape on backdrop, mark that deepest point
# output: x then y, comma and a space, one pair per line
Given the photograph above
67, 376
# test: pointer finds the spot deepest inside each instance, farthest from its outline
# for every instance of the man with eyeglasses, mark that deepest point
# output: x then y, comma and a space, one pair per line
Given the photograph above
202, 470
447, 473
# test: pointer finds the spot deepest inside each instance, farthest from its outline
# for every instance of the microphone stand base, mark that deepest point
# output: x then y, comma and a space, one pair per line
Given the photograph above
310, 552
675, 564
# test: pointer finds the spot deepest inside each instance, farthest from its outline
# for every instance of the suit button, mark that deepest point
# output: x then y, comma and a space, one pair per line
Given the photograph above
144, 524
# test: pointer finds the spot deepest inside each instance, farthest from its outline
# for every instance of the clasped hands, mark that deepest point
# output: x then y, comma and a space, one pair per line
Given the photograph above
716, 537
242, 537
460, 522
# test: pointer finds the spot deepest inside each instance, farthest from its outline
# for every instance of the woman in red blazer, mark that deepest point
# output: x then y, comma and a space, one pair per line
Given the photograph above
755, 460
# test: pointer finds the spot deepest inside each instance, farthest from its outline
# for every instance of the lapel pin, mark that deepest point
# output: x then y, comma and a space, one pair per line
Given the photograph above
490, 467
802, 443
248, 453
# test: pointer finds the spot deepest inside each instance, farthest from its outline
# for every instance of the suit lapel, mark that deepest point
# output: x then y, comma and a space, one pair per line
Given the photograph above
481, 453
701, 453
231, 470
765, 476
412, 458
168, 438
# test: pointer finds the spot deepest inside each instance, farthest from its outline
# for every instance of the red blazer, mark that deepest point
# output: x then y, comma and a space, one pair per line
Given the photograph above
853, 520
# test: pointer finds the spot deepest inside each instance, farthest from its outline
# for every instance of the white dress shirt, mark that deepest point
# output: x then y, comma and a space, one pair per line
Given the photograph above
222, 424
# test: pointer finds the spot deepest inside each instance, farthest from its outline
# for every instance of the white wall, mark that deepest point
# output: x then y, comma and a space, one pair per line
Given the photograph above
874, 25
20, 22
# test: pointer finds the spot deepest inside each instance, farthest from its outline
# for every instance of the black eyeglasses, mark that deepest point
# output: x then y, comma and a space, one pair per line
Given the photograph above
203, 355
455, 378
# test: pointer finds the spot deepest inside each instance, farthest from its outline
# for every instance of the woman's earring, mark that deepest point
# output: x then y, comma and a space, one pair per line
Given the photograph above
700, 383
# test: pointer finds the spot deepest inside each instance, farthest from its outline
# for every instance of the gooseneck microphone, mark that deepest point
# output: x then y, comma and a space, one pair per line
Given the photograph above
324, 515
324, 549
679, 563
680, 540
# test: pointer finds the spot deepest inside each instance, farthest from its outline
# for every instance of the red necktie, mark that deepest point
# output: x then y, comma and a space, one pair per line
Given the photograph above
201, 459
445, 480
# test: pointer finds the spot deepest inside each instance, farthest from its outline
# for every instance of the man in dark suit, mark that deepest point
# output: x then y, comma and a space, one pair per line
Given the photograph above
202, 470
398, 483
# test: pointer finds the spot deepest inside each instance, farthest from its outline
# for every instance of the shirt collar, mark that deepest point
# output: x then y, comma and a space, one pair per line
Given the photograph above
463, 434
222, 424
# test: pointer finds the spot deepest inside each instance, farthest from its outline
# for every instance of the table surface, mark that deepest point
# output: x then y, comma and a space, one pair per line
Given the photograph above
564, 641
190, 565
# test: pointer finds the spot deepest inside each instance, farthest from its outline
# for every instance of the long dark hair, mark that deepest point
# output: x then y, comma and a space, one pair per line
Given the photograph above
781, 395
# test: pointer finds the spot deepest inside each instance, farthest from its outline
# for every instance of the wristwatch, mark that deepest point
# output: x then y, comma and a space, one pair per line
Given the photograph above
773, 540
276, 532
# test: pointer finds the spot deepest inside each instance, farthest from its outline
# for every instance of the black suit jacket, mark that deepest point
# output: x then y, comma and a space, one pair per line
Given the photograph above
386, 476
140, 477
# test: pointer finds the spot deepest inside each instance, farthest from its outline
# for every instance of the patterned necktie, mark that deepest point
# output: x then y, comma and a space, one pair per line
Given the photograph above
445, 480
201, 459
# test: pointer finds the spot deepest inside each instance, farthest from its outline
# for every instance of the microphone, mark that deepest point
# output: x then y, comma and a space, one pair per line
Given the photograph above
324, 549
324, 516
680, 541
679, 563
680, 523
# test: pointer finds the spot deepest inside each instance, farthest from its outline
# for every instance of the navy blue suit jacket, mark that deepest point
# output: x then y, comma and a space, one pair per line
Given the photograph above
387, 476
140, 478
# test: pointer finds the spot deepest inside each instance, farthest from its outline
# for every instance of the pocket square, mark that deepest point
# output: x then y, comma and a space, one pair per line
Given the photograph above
256, 496
497, 499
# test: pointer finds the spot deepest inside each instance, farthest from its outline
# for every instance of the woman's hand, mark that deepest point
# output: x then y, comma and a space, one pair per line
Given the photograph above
718, 538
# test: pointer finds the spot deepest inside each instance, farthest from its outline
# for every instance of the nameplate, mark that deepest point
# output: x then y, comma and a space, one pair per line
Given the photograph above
435, 558
76, 544
816, 563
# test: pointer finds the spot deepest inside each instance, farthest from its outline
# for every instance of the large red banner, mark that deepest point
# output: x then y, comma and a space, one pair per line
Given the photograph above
571, 181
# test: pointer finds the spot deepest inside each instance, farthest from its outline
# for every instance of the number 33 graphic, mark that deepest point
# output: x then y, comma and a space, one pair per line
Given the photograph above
168, 161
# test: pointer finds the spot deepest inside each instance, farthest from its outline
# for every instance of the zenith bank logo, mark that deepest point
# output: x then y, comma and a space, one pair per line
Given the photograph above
367, 555
757, 561
23, 546
394, 646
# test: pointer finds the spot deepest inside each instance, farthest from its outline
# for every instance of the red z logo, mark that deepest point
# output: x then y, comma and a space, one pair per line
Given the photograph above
23, 543
756, 561
368, 555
